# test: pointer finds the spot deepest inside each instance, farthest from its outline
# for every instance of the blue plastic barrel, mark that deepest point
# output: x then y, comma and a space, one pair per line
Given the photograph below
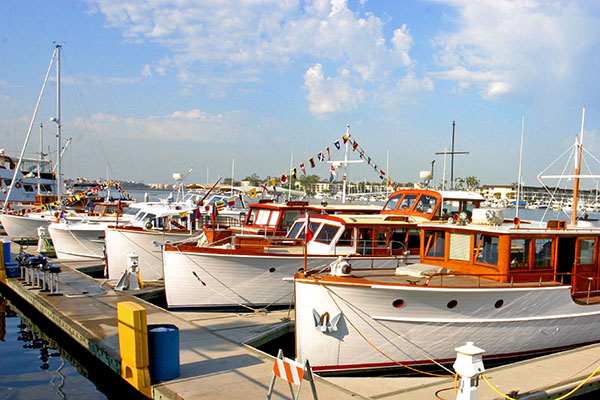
6, 250
163, 352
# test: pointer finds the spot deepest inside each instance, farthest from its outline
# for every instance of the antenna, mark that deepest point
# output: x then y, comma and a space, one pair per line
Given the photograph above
452, 153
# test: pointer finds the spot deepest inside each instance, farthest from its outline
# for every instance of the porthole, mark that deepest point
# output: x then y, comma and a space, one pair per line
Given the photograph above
452, 304
272, 269
499, 303
398, 303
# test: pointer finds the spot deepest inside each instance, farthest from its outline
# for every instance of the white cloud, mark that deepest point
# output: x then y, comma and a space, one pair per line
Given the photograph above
501, 46
328, 95
411, 84
222, 42
184, 125
146, 71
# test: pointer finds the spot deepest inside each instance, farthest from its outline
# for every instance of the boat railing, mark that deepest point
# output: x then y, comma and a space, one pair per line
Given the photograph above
587, 296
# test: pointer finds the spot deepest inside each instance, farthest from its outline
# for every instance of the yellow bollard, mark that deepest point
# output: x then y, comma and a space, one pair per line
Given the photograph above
133, 345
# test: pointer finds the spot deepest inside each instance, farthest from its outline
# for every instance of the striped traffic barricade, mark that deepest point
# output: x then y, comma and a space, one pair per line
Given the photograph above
294, 373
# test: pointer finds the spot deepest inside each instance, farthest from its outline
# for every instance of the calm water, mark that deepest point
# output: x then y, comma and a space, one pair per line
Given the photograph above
34, 366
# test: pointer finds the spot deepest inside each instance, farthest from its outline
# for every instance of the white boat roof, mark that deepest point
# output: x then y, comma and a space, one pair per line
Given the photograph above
460, 195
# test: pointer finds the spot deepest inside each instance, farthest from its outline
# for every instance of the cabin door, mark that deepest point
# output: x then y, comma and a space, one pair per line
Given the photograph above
565, 258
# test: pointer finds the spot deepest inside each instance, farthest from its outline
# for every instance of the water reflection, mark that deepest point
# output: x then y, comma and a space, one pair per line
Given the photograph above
34, 366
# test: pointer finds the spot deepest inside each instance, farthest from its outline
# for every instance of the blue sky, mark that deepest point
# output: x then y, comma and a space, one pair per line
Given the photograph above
162, 86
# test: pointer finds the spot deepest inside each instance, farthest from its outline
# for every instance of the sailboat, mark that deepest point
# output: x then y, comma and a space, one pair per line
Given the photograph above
15, 219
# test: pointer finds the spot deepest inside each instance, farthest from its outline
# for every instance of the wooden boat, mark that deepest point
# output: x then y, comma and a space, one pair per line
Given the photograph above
255, 271
511, 288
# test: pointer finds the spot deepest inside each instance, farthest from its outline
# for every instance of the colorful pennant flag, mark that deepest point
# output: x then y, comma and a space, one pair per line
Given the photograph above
312, 162
252, 193
337, 144
302, 168
321, 157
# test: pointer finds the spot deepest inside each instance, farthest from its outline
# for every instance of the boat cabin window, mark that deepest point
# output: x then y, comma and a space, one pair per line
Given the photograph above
293, 232
327, 233
543, 253
274, 218
519, 253
435, 244
28, 188
381, 238
289, 216
407, 202
45, 188
486, 248
586, 252
347, 237
392, 203
426, 204
405, 239
262, 218
468, 206
312, 227
451, 207
365, 241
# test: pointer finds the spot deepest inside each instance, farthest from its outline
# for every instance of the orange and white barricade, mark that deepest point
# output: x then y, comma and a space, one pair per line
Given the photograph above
294, 373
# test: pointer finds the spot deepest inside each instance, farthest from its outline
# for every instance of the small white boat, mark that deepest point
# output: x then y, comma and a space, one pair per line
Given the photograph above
81, 236
162, 222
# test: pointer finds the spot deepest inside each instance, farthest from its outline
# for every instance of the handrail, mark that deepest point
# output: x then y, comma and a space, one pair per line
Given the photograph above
541, 273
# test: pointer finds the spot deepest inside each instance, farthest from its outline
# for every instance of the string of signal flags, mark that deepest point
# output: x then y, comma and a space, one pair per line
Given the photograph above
325, 156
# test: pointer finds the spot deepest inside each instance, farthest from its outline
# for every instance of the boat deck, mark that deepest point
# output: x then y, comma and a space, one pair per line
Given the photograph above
427, 275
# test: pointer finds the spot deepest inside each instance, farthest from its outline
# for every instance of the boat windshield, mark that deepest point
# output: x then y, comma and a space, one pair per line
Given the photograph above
293, 232
392, 203
426, 204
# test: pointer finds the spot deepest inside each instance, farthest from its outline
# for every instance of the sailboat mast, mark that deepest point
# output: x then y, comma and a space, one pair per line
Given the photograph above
344, 178
579, 154
37, 106
41, 157
58, 126
520, 165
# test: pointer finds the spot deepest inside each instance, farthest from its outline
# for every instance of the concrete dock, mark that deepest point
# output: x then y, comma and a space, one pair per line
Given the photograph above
217, 362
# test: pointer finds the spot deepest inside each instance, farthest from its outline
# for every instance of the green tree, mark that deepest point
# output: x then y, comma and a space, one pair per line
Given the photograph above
254, 179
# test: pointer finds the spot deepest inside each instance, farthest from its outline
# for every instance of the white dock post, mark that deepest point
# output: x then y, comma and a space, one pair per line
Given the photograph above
469, 365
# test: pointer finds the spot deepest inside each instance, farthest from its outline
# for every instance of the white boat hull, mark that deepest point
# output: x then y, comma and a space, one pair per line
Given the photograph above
120, 242
23, 226
423, 329
78, 241
234, 280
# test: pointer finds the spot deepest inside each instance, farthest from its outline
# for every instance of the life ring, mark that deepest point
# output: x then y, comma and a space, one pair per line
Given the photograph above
18, 185
148, 225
